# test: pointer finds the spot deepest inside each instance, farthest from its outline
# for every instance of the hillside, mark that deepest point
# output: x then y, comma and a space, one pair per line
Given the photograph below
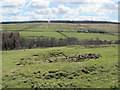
33, 68
60, 55
102, 31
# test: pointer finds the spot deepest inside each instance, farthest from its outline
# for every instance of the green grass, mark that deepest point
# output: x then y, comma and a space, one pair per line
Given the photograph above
102, 72
80, 36
93, 73
40, 26
83, 36
113, 28
15, 27
35, 34
104, 27
48, 29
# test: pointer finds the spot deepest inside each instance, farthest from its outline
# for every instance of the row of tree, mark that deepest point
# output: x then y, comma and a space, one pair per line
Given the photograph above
58, 21
12, 40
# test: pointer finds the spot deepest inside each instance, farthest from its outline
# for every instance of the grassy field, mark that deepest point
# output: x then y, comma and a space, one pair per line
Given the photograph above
61, 67
66, 26
83, 36
107, 27
49, 29
80, 36
35, 34
35, 72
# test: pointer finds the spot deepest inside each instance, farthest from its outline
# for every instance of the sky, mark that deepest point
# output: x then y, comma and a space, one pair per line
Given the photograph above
30, 10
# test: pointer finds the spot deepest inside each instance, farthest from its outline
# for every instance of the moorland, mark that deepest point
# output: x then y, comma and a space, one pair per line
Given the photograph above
60, 55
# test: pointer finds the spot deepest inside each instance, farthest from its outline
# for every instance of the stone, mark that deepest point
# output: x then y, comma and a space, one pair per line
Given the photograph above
18, 63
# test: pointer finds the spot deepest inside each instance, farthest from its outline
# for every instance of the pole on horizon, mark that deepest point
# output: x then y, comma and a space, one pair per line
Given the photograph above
48, 20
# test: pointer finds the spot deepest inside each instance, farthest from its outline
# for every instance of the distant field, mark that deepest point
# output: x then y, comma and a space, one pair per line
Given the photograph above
35, 34
69, 29
93, 73
41, 26
80, 36
104, 27
62, 26
83, 36
15, 26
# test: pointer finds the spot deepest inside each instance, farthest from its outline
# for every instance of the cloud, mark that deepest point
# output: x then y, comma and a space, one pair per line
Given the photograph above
82, 1
63, 10
41, 9
14, 18
11, 12
90, 18
53, 13
20, 18
37, 16
38, 4
12, 3
47, 11
12, 7
103, 8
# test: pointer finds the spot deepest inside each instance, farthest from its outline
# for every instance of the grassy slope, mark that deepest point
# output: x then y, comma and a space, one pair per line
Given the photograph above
35, 34
80, 36
65, 26
107, 27
48, 29
102, 72
83, 36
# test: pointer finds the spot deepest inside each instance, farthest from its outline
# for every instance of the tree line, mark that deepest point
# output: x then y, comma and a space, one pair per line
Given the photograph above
59, 21
13, 40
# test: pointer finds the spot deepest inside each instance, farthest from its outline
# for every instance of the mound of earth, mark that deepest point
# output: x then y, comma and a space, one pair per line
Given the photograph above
55, 56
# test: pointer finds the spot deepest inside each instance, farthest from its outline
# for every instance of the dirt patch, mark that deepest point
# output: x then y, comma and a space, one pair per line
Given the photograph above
78, 58
55, 56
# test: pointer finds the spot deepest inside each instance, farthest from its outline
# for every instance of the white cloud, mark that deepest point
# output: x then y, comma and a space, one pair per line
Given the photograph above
103, 8
52, 13
47, 11
20, 18
38, 4
12, 3
82, 1
40, 9
63, 10
12, 7
36, 16
93, 18
11, 11
14, 18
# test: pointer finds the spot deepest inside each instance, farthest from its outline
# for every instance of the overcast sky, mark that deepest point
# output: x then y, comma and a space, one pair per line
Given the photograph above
25, 10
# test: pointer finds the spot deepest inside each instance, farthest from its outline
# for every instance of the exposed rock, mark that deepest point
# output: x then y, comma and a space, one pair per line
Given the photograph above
84, 71
53, 71
18, 63
35, 55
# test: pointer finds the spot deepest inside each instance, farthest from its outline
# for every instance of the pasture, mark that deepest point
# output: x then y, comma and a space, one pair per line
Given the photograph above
69, 29
70, 66
34, 72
